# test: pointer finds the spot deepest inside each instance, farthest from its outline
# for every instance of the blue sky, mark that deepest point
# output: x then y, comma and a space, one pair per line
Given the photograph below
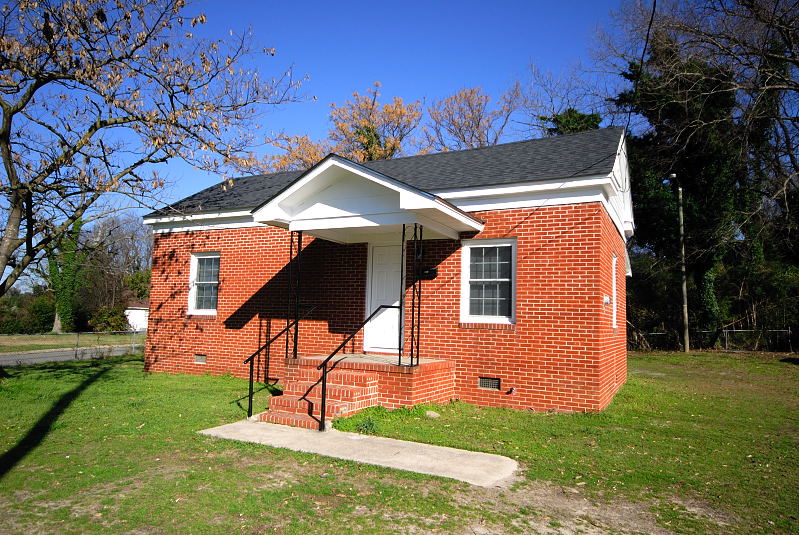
417, 50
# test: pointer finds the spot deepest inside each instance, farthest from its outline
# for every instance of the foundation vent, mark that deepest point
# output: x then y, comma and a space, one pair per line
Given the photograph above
489, 383
199, 359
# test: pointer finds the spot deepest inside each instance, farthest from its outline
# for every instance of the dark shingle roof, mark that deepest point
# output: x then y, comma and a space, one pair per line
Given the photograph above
587, 153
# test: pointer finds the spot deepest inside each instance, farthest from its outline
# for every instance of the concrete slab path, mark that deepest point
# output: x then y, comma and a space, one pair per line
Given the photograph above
482, 469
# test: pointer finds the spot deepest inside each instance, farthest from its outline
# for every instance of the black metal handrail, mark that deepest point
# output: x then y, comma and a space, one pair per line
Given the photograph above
251, 358
323, 365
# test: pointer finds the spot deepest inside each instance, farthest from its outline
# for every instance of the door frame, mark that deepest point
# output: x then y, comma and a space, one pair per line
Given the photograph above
367, 305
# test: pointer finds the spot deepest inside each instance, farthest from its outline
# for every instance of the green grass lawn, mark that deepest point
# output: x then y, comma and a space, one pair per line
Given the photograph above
699, 444
29, 342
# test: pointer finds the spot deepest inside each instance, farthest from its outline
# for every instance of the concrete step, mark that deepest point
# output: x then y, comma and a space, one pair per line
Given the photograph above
292, 419
313, 390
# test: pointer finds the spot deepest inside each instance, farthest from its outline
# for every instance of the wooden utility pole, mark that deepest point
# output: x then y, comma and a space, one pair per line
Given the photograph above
685, 337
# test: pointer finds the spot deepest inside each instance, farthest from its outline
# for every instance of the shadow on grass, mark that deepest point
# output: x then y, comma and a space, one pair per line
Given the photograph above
42, 427
790, 360
73, 369
272, 388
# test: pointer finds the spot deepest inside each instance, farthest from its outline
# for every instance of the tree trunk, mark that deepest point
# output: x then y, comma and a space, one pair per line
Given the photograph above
57, 323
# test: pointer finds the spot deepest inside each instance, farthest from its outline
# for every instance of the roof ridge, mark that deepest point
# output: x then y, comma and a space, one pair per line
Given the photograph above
518, 142
568, 155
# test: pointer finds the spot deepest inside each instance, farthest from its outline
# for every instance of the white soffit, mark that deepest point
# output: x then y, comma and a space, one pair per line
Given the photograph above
198, 222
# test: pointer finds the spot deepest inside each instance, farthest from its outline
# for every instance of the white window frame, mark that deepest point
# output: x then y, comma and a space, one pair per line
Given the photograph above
466, 247
193, 284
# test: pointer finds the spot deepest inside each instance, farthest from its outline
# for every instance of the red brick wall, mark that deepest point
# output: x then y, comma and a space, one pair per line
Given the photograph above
554, 357
253, 290
561, 354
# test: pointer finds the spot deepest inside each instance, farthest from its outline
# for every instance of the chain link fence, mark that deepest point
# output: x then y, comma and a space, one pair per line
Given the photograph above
777, 340
48, 347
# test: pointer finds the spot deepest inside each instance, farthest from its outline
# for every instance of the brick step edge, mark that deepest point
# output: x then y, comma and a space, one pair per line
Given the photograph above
292, 419
309, 406
343, 378
334, 409
334, 392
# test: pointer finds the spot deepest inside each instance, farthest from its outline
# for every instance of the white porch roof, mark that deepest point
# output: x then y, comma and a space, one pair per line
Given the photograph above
342, 201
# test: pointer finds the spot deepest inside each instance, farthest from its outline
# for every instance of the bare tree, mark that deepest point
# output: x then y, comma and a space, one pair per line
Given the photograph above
466, 119
116, 249
94, 94
361, 129
547, 95
752, 47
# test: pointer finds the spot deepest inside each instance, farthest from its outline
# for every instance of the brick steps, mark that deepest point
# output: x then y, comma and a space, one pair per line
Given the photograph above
313, 391
348, 391
290, 418
299, 405
335, 376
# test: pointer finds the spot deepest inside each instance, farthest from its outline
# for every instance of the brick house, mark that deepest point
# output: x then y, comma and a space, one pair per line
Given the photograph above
492, 275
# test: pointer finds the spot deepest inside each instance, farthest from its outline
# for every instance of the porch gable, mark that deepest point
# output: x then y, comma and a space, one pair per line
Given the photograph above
342, 201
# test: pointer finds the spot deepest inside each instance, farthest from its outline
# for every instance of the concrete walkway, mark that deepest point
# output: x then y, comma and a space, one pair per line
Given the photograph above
483, 469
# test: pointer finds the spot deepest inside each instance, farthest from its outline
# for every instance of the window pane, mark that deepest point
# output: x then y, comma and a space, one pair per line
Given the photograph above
490, 262
475, 307
476, 263
503, 262
208, 269
206, 296
504, 302
490, 298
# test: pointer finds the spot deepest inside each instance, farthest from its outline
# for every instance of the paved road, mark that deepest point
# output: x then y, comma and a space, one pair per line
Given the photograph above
59, 355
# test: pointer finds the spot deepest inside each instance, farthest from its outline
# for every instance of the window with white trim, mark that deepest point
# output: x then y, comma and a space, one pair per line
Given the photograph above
488, 272
204, 283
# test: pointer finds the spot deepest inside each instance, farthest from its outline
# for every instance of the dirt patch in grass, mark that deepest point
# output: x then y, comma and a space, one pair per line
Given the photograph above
545, 507
705, 511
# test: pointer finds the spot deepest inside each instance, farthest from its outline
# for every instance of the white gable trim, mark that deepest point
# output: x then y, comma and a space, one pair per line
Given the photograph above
413, 204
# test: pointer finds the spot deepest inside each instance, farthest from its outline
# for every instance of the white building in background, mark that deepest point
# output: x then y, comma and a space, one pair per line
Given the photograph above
137, 318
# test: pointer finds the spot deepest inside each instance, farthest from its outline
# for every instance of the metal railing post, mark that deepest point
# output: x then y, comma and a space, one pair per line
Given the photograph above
249, 403
342, 345
323, 411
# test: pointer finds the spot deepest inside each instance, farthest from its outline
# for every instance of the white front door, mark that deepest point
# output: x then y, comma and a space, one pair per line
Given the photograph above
382, 333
